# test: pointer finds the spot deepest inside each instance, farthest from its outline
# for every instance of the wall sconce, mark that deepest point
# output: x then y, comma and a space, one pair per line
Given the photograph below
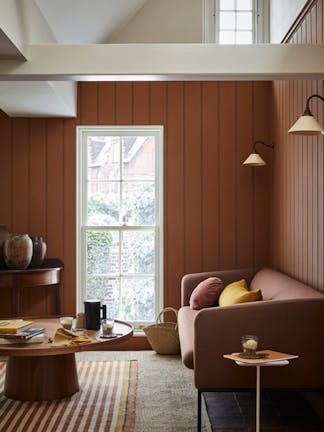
307, 124
254, 159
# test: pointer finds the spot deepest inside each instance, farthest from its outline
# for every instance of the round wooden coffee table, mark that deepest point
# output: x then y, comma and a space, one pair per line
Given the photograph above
41, 371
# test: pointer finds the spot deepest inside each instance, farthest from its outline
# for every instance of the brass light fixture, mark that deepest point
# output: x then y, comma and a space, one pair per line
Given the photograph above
254, 159
307, 124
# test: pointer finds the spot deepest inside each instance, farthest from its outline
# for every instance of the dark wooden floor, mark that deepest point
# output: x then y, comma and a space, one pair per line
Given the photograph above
280, 411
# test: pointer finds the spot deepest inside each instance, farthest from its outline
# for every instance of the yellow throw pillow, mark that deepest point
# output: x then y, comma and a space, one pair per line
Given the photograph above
237, 292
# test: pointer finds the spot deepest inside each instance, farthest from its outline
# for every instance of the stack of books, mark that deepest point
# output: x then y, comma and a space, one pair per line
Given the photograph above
18, 331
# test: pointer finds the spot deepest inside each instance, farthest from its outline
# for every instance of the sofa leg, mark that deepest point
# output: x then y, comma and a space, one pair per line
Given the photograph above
199, 412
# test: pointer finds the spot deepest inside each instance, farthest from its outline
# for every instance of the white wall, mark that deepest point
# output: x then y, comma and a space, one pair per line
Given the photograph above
167, 21
282, 15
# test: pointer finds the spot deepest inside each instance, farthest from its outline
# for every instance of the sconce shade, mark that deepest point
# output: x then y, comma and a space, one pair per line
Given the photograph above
254, 159
306, 125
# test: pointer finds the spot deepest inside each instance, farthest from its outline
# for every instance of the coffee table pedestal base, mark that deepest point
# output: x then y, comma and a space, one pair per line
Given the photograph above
41, 378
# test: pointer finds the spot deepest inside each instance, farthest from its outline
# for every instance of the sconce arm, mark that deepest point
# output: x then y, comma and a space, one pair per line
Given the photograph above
263, 143
307, 109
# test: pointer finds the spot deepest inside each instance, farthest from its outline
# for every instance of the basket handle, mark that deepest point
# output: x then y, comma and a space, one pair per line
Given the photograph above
167, 309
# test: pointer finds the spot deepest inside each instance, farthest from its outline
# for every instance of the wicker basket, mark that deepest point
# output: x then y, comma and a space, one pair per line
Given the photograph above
163, 336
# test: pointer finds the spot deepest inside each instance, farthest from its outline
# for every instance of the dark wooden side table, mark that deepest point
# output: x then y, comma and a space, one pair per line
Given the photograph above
48, 274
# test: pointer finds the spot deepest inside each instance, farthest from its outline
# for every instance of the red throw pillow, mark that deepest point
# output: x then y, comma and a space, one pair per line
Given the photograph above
206, 293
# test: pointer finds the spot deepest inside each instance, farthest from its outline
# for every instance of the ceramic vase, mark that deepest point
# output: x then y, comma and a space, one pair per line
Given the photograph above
39, 252
18, 251
4, 234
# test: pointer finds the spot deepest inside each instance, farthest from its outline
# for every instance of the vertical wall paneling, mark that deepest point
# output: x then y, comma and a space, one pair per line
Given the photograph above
210, 175
174, 196
192, 176
68, 294
20, 176
107, 103
141, 103
209, 198
6, 170
301, 172
228, 172
244, 199
262, 115
88, 96
37, 178
124, 103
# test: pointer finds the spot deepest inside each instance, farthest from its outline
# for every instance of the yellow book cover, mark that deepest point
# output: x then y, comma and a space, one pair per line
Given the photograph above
14, 326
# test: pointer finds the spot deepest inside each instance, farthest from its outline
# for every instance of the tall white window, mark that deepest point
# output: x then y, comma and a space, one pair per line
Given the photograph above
120, 220
236, 21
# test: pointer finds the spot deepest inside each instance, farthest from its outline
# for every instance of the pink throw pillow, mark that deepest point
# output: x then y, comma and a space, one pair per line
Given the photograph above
206, 293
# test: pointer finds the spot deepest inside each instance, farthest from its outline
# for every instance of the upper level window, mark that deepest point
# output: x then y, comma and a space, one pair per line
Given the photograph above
236, 21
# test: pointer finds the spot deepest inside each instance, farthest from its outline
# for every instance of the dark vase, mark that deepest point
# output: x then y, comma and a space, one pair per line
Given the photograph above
18, 251
4, 234
39, 252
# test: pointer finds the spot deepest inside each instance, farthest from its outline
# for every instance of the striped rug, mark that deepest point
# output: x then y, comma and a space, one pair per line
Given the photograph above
105, 403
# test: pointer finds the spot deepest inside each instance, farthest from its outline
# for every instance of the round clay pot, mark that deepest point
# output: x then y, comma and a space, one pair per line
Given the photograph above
39, 252
4, 234
18, 251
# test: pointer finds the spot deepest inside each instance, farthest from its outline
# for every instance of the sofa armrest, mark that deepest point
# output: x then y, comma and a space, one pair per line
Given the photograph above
290, 326
190, 281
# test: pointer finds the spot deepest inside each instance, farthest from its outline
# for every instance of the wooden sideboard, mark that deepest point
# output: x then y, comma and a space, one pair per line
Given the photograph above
49, 274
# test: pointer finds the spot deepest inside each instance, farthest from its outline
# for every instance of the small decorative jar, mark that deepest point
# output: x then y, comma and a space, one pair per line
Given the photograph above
250, 345
18, 251
4, 234
39, 252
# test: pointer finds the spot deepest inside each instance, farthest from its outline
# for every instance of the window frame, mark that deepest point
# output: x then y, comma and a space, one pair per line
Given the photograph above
261, 27
81, 205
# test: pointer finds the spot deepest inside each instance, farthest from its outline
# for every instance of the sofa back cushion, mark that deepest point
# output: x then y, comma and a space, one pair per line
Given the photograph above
278, 286
206, 293
237, 292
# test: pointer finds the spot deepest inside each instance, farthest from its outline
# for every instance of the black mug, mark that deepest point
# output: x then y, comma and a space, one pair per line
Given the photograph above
92, 317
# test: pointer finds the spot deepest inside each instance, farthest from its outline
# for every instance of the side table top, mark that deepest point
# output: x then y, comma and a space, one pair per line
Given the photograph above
269, 356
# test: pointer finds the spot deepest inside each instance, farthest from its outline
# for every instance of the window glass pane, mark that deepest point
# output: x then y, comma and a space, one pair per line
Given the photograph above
227, 20
138, 252
103, 203
137, 297
227, 37
244, 4
244, 37
138, 157
244, 21
138, 203
106, 290
227, 4
102, 252
103, 158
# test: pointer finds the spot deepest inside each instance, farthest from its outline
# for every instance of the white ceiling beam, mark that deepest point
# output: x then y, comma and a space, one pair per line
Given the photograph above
166, 61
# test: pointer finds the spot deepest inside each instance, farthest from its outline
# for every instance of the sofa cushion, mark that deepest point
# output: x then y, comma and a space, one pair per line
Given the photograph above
186, 318
206, 293
237, 292
278, 286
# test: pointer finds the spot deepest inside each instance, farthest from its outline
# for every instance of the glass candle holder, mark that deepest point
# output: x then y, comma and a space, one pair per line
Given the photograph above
66, 322
107, 326
250, 345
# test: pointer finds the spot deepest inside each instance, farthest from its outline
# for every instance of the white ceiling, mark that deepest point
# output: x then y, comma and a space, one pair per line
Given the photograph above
87, 21
54, 21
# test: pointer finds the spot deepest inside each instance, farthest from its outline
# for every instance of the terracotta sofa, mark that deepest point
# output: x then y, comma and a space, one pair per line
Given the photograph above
289, 319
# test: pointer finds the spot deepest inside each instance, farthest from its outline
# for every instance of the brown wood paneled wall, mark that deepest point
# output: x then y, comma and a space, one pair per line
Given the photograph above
216, 212
298, 246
